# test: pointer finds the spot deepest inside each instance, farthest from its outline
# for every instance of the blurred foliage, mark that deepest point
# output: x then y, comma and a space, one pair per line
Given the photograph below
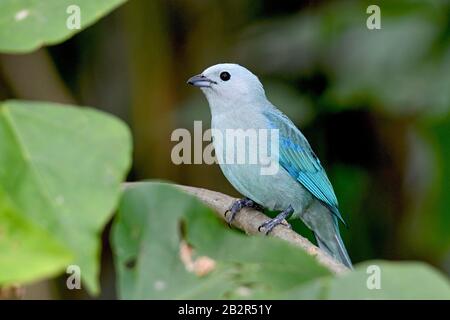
26, 25
400, 281
60, 176
148, 253
374, 104
27, 252
156, 222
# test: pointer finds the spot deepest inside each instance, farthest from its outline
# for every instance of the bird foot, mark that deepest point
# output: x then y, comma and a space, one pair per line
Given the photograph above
279, 219
238, 205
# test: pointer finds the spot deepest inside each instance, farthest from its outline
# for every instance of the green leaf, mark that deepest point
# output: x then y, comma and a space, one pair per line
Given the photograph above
62, 167
26, 25
27, 252
398, 281
153, 221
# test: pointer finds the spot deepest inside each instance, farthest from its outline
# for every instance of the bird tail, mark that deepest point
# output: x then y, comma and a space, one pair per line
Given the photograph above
325, 225
334, 246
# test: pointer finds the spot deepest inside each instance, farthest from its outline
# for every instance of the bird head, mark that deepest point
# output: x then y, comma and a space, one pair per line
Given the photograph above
228, 84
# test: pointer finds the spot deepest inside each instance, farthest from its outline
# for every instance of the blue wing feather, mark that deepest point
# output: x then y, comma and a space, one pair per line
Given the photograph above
297, 158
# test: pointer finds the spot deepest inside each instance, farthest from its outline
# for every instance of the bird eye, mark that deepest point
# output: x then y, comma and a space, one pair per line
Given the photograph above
225, 76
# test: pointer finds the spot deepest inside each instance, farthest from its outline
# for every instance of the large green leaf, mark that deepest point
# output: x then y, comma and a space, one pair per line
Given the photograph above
26, 25
27, 252
62, 168
147, 237
398, 281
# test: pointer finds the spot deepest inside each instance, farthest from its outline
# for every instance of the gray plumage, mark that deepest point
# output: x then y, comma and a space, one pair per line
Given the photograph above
239, 102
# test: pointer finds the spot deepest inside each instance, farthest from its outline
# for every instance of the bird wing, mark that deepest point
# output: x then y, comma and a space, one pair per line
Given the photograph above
299, 160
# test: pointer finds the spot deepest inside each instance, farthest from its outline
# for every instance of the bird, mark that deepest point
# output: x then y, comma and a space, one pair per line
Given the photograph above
300, 188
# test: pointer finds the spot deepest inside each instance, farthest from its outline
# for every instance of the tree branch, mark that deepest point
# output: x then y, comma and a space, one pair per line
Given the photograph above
249, 220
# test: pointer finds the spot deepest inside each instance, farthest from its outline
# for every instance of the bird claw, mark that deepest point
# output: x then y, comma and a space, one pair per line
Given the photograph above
235, 208
269, 225
279, 219
238, 205
228, 220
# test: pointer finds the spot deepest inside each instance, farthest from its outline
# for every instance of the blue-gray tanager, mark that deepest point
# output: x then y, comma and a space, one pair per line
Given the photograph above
300, 188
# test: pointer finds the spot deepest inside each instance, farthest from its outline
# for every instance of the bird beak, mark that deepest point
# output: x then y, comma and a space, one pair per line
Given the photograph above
200, 81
